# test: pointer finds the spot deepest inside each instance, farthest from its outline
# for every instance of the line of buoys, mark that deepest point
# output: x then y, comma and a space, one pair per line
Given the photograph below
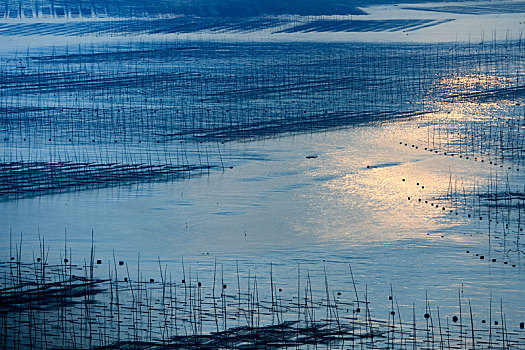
460, 156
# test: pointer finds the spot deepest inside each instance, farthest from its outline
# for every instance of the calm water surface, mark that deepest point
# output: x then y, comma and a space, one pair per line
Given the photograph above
348, 206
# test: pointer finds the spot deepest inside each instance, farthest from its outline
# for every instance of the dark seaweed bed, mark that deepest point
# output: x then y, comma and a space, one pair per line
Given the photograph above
190, 24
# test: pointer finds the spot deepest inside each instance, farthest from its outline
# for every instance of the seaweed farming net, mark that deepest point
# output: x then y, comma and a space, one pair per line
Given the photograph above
172, 106
65, 305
